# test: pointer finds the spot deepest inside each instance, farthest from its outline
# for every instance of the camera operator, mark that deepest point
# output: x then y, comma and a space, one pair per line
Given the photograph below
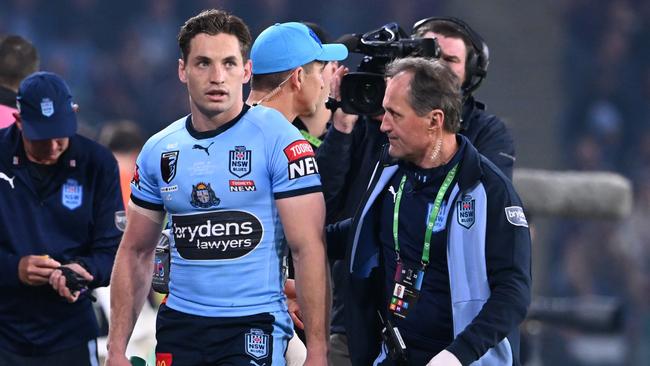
445, 257
467, 55
354, 142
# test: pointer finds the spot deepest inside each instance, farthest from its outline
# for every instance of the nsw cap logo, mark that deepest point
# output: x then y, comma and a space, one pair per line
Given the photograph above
47, 107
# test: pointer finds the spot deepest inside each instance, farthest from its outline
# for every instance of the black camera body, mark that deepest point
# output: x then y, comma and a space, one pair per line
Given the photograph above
362, 92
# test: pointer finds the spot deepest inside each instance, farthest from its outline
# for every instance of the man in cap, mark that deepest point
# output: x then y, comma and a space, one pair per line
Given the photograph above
235, 181
60, 199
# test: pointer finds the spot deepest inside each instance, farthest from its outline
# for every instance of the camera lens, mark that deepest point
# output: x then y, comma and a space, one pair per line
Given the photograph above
369, 93
368, 96
362, 93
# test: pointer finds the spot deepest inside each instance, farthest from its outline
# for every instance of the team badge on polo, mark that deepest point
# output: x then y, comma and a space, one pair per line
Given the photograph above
47, 107
71, 194
168, 162
239, 163
120, 220
257, 344
465, 212
203, 196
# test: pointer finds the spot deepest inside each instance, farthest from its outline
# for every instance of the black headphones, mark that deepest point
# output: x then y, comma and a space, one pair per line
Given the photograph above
478, 59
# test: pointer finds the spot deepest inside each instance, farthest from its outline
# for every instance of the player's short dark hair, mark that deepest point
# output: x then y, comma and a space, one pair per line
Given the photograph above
18, 59
213, 22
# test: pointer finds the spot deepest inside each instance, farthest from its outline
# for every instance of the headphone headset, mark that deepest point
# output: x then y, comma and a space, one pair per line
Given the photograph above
477, 60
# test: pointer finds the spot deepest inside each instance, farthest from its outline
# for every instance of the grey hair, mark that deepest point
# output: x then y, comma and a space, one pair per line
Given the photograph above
433, 86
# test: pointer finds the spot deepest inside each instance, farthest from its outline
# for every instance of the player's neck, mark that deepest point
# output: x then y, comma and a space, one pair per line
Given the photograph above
283, 103
203, 123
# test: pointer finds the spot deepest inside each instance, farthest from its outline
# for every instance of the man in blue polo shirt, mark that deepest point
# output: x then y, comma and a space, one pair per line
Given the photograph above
60, 200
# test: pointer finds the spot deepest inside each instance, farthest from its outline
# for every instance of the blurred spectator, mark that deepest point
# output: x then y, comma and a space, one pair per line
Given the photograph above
124, 139
18, 58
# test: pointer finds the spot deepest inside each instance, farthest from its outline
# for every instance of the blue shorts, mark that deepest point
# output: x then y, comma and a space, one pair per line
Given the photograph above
185, 339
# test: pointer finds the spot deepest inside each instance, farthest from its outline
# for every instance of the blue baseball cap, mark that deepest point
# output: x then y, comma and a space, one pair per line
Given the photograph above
45, 107
285, 46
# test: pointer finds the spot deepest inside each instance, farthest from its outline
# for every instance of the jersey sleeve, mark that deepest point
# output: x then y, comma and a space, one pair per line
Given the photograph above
293, 165
145, 186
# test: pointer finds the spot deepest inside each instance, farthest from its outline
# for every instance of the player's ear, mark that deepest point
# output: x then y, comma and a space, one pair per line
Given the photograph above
181, 71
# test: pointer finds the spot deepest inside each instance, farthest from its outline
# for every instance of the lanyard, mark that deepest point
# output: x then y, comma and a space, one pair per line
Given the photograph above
432, 216
312, 140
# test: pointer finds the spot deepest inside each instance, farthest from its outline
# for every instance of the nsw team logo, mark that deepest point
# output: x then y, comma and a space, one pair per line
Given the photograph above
47, 107
120, 220
465, 212
240, 161
71, 194
257, 344
203, 196
168, 162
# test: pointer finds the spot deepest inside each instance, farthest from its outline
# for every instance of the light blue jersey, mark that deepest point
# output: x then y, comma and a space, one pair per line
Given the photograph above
219, 188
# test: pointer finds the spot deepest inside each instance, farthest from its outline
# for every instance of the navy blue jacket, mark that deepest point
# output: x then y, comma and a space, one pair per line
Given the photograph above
500, 277
489, 135
346, 162
72, 219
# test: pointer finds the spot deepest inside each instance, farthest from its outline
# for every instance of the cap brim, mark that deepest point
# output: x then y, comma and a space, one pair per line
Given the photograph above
40, 130
333, 52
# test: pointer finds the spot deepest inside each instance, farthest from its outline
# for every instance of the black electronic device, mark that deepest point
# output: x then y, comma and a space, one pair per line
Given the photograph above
75, 282
393, 341
362, 91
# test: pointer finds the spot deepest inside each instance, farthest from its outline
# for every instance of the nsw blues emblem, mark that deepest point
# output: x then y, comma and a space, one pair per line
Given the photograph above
465, 212
47, 107
71, 194
168, 162
257, 344
240, 161
203, 196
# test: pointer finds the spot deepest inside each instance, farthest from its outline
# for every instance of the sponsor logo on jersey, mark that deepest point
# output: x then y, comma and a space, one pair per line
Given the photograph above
465, 212
163, 359
168, 189
302, 161
203, 196
515, 216
216, 234
4, 176
120, 220
71, 194
168, 162
242, 185
239, 163
257, 344
136, 177
206, 149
